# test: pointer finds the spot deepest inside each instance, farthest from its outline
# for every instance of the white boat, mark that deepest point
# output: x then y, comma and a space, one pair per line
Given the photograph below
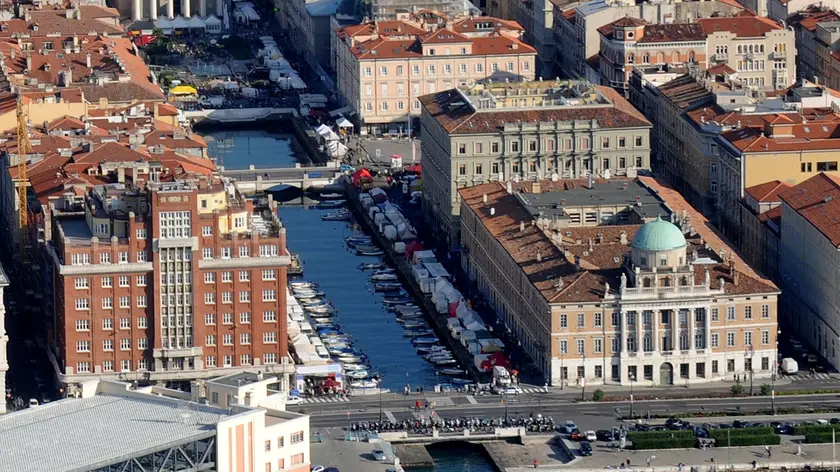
308, 295
322, 352
383, 277
353, 366
321, 309
332, 203
415, 325
444, 362
357, 374
331, 196
452, 372
422, 341
371, 265
376, 252
430, 349
337, 216
364, 384
302, 284
437, 356
349, 358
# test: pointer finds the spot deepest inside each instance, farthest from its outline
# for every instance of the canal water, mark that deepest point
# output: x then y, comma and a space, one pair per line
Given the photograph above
261, 148
327, 260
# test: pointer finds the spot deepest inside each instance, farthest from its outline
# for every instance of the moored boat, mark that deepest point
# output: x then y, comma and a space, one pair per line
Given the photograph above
332, 203
371, 266
331, 196
357, 374
387, 287
377, 252
422, 341
337, 216
452, 372
383, 277
364, 383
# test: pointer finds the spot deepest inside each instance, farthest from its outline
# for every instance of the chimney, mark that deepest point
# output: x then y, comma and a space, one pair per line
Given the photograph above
509, 187
493, 211
87, 60
521, 226
577, 263
539, 256
484, 198
28, 61
121, 174
535, 187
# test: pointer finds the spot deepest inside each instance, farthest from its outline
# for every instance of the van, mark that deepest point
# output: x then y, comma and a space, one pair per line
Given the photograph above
790, 366
33, 403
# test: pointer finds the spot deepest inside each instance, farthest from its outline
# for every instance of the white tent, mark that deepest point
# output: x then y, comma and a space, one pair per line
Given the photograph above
244, 12
164, 25
336, 149
326, 133
344, 123
196, 22
180, 23
212, 24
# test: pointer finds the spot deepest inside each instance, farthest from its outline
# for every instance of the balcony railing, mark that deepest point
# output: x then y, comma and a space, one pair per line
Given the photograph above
778, 55
721, 56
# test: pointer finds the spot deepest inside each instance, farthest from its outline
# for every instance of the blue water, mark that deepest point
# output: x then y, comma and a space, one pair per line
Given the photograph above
327, 261
458, 457
239, 149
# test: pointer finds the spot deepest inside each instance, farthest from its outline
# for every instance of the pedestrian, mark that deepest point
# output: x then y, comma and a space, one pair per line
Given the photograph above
536, 463
628, 462
754, 464
767, 450
648, 461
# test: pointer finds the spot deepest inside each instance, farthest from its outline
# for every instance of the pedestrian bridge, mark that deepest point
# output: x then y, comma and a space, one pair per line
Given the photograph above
256, 180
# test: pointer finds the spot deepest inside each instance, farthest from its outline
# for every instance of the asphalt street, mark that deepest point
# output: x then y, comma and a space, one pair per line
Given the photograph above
589, 415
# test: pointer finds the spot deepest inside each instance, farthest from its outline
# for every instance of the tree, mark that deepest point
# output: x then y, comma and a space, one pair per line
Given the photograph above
737, 389
597, 395
765, 389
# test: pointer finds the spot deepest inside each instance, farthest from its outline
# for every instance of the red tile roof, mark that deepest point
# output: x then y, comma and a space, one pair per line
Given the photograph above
818, 201
55, 21
743, 26
767, 192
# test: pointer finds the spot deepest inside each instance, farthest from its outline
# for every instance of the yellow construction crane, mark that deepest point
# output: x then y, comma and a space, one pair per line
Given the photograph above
24, 147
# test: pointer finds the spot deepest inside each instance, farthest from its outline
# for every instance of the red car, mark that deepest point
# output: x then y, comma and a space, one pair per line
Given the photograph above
576, 436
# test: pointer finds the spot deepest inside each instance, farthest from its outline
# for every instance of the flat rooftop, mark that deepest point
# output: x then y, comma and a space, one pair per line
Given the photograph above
78, 434
237, 380
75, 228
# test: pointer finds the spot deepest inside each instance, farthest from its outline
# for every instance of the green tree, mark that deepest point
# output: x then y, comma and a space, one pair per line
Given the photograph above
765, 389
597, 395
737, 389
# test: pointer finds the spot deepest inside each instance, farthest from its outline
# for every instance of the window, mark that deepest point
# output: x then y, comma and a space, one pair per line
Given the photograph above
765, 336
124, 281
125, 365
730, 313
715, 314
245, 359
730, 339
141, 280
227, 318
564, 346
210, 340
462, 148
399, 70
141, 301
210, 319
207, 253
447, 69
494, 67
581, 320
748, 338
107, 324
297, 437
431, 69
82, 325
125, 344
209, 298
245, 297
245, 317
829, 166
269, 274
581, 346
209, 277
227, 361
747, 312
765, 311
125, 323
269, 295
509, 67
83, 367
227, 297
269, 316
615, 344
125, 302
564, 321
598, 320
226, 253
107, 303
269, 337
142, 322
108, 366
598, 345
142, 344
105, 258
245, 338
227, 277
210, 361
368, 72
715, 340
207, 231
269, 358
479, 67
514, 146
227, 339
383, 71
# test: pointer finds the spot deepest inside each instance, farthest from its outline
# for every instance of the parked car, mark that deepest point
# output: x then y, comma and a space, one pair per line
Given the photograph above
317, 468
585, 448
379, 455
740, 424
511, 390
33, 403
674, 423
576, 436
294, 400
605, 435
590, 436
570, 426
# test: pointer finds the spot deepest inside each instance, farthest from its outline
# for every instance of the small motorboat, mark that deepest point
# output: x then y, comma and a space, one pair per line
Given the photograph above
429, 349
386, 270
371, 266
387, 287
365, 247
409, 318
325, 325
333, 339
383, 277
393, 300
425, 341
452, 372
364, 384
338, 349
377, 252
415, 325
331, 196
353, 365
444, 361
332, 203
357, 374
417, 333
348, 357
403, 309
302, 284
308, 295
337, 216
321, 309
438, 355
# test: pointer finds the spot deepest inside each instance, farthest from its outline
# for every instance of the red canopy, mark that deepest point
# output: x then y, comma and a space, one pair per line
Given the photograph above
359, 174
330, 382
414, 168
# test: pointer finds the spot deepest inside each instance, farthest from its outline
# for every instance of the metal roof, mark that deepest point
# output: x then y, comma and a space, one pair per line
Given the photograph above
79, 434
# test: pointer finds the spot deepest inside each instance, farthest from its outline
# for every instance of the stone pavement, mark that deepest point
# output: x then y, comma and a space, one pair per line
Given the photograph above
387, 148
346, 455
510, 455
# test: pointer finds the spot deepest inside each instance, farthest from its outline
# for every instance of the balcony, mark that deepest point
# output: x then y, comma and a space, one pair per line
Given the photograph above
778, 55
721, 56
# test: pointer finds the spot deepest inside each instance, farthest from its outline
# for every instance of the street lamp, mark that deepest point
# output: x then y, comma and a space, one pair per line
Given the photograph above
632, 379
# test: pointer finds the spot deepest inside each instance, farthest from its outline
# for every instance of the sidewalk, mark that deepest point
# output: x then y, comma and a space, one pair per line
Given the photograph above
640, 390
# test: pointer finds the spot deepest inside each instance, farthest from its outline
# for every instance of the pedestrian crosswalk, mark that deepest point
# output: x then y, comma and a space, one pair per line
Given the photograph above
806, 377
339, 399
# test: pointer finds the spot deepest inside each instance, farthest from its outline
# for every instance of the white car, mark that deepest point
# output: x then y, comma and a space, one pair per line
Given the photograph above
591, 436
570, 426
294, 401
33, 403
511, 390
379, 455
317, 468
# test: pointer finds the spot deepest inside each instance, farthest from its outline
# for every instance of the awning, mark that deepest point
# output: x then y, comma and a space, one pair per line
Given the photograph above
183, 90
340, 111
344, 123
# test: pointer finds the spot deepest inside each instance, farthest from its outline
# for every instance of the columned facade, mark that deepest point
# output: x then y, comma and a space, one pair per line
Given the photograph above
141, 8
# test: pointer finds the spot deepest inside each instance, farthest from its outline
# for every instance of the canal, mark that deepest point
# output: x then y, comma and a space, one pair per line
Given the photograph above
261, 148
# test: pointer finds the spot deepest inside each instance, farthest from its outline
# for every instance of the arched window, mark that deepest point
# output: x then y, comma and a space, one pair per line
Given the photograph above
631, 58
683, 341
648, 343
691, 56
646, 58
660, 58
646, 282
675, 57
666, 282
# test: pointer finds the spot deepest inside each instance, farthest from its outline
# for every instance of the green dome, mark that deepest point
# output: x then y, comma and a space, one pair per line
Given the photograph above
658, 235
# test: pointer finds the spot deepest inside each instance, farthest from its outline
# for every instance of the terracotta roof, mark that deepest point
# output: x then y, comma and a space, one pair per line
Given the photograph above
767, 192
49, 21
383, 48
382, 28
808, 19
720, 69
471, 25
657, 33
120, 92
805, 137
774, 214
442, 36
462, 119
544, 263
742, 26
685, 92
818, 201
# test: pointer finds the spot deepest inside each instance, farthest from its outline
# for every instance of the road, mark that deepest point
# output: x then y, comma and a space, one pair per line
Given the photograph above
589, 414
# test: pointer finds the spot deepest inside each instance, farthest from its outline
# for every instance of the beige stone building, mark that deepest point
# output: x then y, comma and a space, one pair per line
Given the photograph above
629, 299
384, 67
537, 17
810, 265
526, 131
761, 213
754, 49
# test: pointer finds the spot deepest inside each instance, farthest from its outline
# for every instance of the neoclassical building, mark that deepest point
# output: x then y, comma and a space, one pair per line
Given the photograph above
617, 282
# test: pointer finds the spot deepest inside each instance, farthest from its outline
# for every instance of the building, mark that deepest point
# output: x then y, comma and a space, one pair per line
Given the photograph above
525, 131
817, 32
167, 276
809, 263
171, 9
384, 10
759, 49
537, 18
581, 29
234, 429
781, 10
385, 67
760, 214
599, 287
4, 339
